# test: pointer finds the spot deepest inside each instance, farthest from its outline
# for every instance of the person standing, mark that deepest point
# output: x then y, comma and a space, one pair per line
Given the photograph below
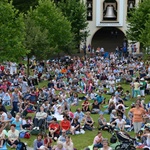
138, 113
14, 102
136, 86
142, 86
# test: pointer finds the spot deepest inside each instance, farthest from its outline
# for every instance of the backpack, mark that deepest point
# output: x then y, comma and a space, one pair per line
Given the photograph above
35, 132
21, 146
113, 139
27, 135
22, 134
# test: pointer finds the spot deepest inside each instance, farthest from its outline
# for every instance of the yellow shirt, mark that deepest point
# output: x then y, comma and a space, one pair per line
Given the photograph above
136, 86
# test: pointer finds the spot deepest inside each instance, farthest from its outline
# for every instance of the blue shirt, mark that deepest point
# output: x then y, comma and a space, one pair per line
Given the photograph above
18, 124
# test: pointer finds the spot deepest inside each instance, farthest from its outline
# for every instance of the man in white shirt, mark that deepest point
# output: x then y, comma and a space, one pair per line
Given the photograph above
39, 118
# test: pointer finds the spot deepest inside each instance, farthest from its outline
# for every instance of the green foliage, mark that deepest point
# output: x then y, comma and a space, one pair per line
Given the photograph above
24, 5
145, 33
75, 11
11, 32
35, 40
52, 23
138, 22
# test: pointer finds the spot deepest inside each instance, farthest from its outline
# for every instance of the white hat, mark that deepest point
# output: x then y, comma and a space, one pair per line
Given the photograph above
113, 111
142, 79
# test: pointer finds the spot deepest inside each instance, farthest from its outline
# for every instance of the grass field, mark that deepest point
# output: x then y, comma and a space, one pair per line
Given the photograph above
84, 140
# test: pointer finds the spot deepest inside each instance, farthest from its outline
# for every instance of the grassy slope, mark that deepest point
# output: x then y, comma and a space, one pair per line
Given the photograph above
82, 141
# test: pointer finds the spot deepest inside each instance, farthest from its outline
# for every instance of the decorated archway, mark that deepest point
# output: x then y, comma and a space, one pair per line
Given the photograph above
108, 38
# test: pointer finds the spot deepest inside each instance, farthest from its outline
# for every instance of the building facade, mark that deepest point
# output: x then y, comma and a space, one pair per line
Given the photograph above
107, 23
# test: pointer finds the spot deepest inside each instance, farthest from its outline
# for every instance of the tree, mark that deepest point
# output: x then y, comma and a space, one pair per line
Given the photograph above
11, 33
75, 11
145, 34
145, 39
24, 5
138, 22
47, 30
35, 39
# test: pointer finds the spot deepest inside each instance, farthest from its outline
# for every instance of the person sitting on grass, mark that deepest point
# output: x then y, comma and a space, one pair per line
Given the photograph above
105, 145
18, 122
39, 118
27, 123
62, 137
95, 107
100, 98
68, 145
127, 96
76, 127
59, 146
102, 123
85, 106
79, 114
111, 106
113, 115
47, 142
27, 107
3, 116
13, 136
146, 137
38, 143
54, 129
88, 122
65, 124
2, 136
98, 140
120, 123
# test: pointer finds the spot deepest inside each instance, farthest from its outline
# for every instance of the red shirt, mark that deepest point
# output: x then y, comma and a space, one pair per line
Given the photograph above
65, 124
47, 141
2, 68
53, 126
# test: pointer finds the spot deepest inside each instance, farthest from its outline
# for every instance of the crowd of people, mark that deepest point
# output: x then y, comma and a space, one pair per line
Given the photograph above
74, 81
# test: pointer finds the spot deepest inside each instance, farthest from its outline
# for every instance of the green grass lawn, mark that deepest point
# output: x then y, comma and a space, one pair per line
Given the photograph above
84, 140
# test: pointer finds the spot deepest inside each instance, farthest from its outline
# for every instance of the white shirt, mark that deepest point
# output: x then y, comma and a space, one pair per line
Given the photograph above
120, 122
108, 148
4, 115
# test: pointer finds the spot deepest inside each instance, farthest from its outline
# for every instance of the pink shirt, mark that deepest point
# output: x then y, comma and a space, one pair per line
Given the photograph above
97, 140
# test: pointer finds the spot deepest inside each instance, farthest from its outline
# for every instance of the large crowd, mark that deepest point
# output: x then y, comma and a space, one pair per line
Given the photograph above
74, 81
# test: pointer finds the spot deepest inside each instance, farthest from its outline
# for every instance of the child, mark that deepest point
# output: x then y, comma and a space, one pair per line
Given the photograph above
27, 123
47, 142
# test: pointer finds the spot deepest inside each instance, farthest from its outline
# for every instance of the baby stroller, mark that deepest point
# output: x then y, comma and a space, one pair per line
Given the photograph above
126, 142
